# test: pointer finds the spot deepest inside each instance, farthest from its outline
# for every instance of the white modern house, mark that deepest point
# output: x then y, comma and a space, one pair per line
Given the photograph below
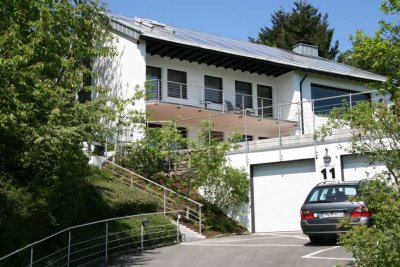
275, 98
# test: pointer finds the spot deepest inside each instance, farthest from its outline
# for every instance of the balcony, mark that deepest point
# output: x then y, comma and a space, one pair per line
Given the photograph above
209, 98
230, 111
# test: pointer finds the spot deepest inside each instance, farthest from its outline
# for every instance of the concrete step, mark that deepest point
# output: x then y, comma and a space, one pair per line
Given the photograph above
188, 235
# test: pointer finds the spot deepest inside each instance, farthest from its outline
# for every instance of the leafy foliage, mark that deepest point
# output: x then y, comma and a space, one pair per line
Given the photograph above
155, 152
374, 126
304, 23
379, 244
206, 167
374, 130
220, 183
46, 50
378, 53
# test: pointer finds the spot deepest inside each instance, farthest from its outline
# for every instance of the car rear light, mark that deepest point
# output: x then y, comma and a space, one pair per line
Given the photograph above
306, 215
361, 211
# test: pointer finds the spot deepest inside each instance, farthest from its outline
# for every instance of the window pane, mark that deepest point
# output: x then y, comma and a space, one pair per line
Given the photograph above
329, 194
243, 95
177, 84
153, 85
340, 96
213, 89
264, 99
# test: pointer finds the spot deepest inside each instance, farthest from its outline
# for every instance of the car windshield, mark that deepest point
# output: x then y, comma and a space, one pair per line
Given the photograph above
329, 194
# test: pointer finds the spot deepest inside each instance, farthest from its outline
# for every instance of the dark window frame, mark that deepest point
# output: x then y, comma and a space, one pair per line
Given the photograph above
155, 84
213, 94
241, 97
324, 106
263, 102
174, 86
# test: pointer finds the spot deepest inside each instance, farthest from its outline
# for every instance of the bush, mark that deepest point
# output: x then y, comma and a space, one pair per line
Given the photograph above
97, 197
379, 244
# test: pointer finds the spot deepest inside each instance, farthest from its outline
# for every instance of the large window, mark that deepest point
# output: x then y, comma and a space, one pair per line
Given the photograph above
264, 100
177, 84
213, 89
243, 95
336, 98
153, 85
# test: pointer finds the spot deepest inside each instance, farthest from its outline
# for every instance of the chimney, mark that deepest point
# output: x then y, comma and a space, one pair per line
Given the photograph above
305, 48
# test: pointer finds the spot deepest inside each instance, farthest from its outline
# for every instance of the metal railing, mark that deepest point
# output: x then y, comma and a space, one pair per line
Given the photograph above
166, 198
95, 241
209, 98
312, 117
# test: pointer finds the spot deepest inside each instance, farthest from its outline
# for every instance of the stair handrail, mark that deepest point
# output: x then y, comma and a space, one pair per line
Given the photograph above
30, 246
165, 189
152, 182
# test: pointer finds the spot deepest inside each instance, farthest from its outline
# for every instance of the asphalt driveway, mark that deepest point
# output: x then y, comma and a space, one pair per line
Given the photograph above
269, 249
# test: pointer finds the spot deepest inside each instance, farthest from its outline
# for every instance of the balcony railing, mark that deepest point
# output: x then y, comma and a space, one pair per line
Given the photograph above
210, 98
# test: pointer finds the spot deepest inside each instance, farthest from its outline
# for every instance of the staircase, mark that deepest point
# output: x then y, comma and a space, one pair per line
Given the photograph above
188, 235
167, 199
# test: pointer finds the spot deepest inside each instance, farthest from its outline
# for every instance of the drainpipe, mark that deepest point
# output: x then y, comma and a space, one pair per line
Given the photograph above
301, 103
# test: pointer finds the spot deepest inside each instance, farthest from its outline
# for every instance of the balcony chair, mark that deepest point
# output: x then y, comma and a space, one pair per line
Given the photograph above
231, 108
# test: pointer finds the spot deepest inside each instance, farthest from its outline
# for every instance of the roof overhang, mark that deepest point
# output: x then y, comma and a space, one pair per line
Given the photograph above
210, 57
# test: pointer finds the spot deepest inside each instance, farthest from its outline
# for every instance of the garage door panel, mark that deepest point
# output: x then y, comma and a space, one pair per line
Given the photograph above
279, 191
357, 168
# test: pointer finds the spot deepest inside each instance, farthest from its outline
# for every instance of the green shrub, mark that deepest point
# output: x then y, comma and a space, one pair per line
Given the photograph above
97, 197
379, 244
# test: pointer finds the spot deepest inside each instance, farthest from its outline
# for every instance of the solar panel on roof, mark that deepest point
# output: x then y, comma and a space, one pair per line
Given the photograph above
243, 48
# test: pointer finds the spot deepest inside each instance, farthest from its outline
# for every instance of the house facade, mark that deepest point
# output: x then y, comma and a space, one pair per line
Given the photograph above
276, 99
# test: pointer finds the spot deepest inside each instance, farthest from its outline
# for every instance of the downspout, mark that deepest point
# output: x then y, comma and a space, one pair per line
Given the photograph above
301, 103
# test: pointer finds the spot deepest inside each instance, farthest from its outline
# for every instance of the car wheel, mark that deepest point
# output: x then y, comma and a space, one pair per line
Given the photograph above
316, 239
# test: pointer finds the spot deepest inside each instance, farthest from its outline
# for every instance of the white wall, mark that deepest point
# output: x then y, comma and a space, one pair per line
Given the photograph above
288, 92
284, 88
195, 75
123, 73
335, 150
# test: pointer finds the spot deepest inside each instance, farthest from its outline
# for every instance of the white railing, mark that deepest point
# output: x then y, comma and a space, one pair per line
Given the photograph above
95, 241
168, 199
210, 98
314, 115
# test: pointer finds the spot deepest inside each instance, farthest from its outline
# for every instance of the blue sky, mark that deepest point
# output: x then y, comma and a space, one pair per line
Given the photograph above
239, 19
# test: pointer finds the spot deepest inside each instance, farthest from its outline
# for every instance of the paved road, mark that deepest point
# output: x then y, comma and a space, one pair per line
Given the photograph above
269, 249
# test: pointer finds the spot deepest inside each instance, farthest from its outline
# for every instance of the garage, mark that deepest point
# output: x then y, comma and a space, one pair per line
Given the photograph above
278, 191
356, 168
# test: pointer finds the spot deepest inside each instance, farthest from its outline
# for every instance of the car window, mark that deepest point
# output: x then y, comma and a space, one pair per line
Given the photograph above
329, 194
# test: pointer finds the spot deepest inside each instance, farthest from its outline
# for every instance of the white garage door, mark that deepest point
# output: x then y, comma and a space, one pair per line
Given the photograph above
279, 191
357, 168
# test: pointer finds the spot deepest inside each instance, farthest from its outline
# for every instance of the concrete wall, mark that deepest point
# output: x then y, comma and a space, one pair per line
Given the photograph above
335, 150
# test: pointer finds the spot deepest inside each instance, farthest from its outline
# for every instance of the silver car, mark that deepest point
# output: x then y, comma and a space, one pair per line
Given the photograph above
326, 204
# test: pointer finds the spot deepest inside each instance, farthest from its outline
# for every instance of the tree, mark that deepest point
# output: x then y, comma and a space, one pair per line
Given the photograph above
207, 168
374, 130
378, 53
220, 183
374, 126
304, 23
46, 48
